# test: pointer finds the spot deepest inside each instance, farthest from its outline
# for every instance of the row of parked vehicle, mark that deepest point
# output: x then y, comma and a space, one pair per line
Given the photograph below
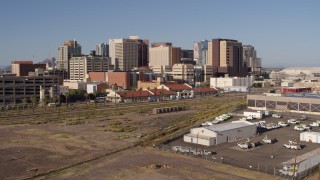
292, 145
217, 120
189, 150
289, 170
249, 144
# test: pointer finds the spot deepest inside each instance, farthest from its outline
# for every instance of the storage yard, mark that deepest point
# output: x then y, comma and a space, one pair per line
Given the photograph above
269, 158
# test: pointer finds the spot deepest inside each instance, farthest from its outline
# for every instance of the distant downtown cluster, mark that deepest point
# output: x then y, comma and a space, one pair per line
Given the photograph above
216, 57
125, 62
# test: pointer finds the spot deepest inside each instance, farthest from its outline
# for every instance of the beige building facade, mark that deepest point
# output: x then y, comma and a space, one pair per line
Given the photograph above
81, 66
183, 72
127, 54
164, 55
65, 52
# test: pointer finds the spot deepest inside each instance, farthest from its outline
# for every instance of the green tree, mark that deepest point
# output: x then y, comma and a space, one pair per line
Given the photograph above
24, 101
86, 95
45, 101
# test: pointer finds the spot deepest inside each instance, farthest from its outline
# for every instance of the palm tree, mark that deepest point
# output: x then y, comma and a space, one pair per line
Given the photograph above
155, 92
24, 102
86, 95
33, 100
67, 95
161, 95
148, 88
45, 101
140, 94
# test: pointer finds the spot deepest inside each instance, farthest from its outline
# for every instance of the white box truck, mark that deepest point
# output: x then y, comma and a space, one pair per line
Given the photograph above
255, 115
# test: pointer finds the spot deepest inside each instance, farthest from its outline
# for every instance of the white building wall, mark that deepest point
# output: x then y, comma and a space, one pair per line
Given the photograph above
203, 132
233, 134
199, 140
313, 137
230, 81
91, 88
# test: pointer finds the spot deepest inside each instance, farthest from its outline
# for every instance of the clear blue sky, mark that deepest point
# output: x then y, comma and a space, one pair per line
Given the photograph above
284, 32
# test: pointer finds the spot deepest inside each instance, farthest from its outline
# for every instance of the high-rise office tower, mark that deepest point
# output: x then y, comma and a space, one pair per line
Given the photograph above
127, 54
200, 50
250, 58
102, 50
65, 52
163, 54
225, 56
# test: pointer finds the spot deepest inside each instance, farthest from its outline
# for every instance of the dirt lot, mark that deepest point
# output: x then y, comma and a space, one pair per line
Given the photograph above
259, 158
152, 163
46, 140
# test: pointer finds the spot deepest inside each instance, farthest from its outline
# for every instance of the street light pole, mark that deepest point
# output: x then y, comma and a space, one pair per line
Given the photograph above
197, 143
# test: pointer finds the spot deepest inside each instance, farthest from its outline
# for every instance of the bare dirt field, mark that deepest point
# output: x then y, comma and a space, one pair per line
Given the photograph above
151, 163
46, 141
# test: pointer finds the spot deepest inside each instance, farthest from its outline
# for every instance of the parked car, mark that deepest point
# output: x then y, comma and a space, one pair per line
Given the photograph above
283, 124
250, 118
315, 124
176, 148
247, 144
293, 121
267, 140
276, 115
292, 145
303, 117
301, 127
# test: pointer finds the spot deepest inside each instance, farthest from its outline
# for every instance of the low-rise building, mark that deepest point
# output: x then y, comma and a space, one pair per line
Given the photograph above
181, 90
221, 82
221, 133
204, 91
150, 84
72, 84
96, 87
300, 103
237, 89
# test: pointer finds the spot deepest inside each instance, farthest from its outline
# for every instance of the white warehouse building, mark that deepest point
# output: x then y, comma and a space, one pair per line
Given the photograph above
221, 133
221, 82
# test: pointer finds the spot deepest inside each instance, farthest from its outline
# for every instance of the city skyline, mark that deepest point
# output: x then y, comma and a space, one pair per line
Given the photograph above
283, 33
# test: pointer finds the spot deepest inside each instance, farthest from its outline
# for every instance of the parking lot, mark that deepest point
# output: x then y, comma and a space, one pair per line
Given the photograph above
266, 158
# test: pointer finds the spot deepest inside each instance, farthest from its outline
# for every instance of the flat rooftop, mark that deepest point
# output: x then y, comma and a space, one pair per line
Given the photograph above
229, 126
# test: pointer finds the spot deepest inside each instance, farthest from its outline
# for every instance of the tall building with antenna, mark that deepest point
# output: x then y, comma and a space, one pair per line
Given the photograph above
66, 52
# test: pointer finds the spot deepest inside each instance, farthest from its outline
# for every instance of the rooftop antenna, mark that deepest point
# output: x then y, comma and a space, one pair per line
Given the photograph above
74, 43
